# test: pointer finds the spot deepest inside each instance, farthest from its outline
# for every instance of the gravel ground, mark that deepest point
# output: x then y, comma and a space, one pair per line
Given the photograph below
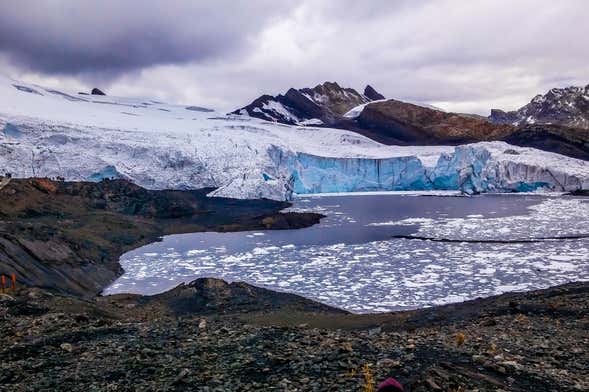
515, 342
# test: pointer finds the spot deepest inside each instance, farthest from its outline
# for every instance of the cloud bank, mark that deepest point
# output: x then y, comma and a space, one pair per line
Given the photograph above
462, 56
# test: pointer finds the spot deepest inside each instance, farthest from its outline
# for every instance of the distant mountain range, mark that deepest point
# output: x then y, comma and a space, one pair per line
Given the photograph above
560, 106
557, 121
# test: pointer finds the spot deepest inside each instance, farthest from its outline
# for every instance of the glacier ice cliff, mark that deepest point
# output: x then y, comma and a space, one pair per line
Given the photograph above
158, 145
470, 169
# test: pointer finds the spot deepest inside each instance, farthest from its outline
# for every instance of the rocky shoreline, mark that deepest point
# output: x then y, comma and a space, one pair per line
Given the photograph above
68, 236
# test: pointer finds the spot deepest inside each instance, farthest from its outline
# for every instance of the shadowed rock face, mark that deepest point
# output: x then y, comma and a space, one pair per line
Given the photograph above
413, 124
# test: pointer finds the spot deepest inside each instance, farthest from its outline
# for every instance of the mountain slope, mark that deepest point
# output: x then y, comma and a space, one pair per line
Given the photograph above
561, 106
46, 132
416, 124
70, 235
551, 122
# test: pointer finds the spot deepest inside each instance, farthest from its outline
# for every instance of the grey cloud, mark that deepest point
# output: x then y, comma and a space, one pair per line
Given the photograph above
112, 37
464, 56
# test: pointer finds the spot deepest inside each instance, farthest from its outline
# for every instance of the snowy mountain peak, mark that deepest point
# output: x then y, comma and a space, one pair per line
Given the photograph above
568, 106
323, 104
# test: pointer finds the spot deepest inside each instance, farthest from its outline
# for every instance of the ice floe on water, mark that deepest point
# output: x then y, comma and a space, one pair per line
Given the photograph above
351, 261
553, 218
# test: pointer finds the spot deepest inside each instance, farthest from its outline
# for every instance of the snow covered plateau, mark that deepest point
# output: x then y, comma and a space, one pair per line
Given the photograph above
45, 132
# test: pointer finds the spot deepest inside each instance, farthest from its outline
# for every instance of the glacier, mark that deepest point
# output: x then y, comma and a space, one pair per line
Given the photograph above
49, 133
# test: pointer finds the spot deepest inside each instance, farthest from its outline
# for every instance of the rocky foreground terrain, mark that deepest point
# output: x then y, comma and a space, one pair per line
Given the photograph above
212, 336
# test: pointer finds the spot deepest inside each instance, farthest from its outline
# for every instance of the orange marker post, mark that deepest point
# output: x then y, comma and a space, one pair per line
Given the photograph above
13, 276
3, 282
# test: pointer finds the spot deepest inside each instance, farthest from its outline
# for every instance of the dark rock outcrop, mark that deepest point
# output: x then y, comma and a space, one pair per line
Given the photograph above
97, 91
199, 109
372, 94
215, 296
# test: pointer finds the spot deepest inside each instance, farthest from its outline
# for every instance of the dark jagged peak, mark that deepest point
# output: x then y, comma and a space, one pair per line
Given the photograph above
372, 94
336, 99
567, 106
97, 91
324, 104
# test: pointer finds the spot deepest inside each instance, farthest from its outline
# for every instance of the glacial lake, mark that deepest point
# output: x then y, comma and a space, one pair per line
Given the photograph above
491, 244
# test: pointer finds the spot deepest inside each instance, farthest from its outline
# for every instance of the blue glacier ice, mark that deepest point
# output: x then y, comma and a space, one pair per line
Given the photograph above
314, 174
108, 172
462, 170
470, 169
11, 130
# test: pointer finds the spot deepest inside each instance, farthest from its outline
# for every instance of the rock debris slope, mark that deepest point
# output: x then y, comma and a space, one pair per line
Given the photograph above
514, 342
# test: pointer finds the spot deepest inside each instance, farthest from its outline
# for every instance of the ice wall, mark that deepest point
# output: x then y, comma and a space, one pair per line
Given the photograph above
276, 171
314, 174
471, 169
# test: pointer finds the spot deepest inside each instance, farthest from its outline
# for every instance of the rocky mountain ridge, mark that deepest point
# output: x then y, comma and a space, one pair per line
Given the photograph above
556, 121
323, 104
414, 124
567, 106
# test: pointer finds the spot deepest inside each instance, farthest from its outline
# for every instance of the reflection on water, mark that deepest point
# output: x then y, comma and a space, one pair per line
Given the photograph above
349, 260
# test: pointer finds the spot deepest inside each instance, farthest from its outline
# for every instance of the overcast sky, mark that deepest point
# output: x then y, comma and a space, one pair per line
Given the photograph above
466, 56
